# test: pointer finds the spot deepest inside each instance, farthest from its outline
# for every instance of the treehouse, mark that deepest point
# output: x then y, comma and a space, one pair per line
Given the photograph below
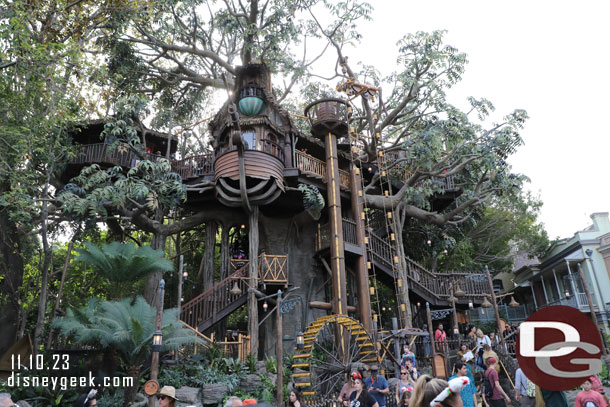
279, 232
91, 148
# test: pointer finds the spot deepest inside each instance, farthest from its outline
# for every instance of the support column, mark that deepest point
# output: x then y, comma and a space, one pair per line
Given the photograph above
495, 304
534, 295
253, 281
546, 298
573, 284
591, 309
337, 257
557, 284
362, 275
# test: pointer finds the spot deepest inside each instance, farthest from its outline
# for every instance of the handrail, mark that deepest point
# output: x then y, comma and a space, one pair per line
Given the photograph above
315, 167
207, 304
435, 284
189, 167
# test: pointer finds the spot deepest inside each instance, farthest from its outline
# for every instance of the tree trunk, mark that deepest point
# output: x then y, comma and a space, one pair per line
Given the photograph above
44, 271
130, 392
64, 271
405, 317
253, 282
207, 262
225, 255
152, 283
11, 268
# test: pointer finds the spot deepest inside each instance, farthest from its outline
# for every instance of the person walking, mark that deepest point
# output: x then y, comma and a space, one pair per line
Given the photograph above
498, 398
348, 387
404, 384
525, 390
468, 393
377, 386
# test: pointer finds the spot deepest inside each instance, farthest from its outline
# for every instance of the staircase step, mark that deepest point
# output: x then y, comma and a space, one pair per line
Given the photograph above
302, 356
301, 374
299, 365
302, 384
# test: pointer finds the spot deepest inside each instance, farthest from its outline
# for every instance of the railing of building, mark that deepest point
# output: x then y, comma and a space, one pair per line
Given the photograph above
316, 168
272, 268
435, 284
190, 167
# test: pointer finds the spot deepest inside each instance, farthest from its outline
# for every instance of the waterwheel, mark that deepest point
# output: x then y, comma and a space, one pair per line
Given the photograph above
334, 345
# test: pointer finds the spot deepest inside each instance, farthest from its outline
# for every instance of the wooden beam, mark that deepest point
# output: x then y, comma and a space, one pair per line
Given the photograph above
328, 306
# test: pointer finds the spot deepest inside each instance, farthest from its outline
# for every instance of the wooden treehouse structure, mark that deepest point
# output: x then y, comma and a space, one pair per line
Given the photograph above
259, 159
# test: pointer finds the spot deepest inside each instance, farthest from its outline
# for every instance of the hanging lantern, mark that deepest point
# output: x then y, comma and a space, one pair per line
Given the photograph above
181, 299
458, 292
399, 283
300, 340
372, 290
374, 317
362, 216
366, 240
157, 341
486, 303
403, 307
235, 290
243, 226
429, 242
368, 264
251, 102
470, 304
265, 306
383, 308
395, 259
185, 274
383, 173
513, 303
418, 304
567, 293
389, 215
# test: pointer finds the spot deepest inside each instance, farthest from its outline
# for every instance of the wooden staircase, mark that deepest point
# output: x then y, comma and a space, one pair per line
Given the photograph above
215, 304
432, 287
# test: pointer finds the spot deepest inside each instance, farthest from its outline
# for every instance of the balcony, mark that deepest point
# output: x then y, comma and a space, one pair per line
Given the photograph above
578, 301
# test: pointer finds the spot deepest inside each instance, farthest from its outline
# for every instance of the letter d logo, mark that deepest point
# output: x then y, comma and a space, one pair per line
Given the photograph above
527, 332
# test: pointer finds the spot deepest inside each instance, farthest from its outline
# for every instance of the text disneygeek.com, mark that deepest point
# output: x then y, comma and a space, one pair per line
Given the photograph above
67, 382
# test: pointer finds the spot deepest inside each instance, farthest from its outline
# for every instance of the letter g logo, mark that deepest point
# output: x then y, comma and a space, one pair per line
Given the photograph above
558, 347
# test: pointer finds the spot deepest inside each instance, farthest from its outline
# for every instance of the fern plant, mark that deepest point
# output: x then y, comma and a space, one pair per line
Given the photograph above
126, 326
313, 201
124, 262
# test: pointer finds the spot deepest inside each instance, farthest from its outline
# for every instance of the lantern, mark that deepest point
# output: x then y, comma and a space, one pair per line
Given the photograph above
157, 341
300, 340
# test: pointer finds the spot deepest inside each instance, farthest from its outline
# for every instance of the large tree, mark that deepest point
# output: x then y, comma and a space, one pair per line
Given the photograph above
175, 53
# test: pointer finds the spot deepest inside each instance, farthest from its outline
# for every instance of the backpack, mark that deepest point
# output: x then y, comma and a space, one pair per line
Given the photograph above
488, 389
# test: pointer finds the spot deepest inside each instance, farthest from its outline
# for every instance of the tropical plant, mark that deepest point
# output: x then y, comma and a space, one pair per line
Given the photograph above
126, 326
124, 262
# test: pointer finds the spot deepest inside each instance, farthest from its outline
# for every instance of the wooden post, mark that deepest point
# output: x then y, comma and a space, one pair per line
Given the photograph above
397, 348
180, 281
431, 335
591, 309
278, 349
154, 364
337, 257
362, 275
495, 305
253, 281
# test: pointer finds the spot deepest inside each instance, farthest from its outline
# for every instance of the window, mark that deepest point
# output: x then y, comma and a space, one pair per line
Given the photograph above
249, 137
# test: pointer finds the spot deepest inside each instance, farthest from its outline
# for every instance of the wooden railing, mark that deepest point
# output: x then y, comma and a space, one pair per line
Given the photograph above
208, 304
316, 168
272, 268
190, 167
435, 284
194, 166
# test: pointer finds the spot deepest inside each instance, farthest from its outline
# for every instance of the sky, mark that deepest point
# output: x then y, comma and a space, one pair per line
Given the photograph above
548, 57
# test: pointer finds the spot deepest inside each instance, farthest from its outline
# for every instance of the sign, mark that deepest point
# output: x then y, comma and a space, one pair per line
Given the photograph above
558, 347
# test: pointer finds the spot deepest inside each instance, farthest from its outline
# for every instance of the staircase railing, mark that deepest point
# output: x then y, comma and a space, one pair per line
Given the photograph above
207, 304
